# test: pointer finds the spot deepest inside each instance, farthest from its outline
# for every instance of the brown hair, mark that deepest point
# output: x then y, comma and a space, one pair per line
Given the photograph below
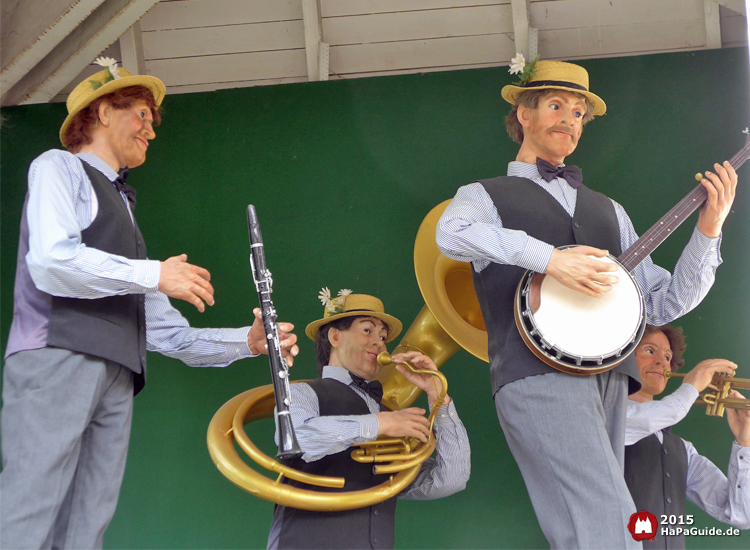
530, 99
323, 345
676, 342
78, 133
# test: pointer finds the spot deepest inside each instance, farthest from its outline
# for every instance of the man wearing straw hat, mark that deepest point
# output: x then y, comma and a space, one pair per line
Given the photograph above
566, 431
88, 304
663, 470
342, 409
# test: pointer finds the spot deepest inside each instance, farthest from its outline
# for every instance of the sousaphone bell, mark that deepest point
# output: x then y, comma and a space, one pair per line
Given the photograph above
450, 319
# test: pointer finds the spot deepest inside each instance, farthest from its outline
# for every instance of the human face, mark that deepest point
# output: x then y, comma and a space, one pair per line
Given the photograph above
128, 133
653, 356
357, 348
552, 130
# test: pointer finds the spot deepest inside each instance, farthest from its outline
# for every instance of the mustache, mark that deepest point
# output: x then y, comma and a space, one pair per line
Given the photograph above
563, 129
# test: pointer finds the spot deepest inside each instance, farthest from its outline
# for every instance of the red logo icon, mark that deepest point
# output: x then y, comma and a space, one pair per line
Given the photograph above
643, 525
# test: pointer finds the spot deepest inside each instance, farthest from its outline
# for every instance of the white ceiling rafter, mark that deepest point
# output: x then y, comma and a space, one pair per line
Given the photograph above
131, 50
737, 6
54, 32
316, 50
526, 36
713, 24
99, 30
207, 45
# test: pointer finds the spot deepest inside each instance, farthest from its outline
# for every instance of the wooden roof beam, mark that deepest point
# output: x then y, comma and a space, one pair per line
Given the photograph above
737, 6
526, 36
50, 35
76, 51
131, 50
316, 50
713, 24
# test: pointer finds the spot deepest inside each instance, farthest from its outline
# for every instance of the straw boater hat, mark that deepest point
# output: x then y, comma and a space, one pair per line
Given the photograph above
350, 305
557, 75
103, 83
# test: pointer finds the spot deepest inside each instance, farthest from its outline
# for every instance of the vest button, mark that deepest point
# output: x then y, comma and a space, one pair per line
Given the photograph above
577, 225
668, 474
375, 513
665, 452
669, 500
374, 541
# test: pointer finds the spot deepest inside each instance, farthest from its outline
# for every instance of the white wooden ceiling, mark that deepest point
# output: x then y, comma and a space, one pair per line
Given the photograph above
47, 46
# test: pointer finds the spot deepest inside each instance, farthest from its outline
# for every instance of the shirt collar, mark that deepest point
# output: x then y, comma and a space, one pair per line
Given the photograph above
525, 170
337, 373
99, 164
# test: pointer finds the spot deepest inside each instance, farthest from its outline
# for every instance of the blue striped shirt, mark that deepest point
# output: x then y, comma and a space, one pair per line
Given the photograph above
319, 436
725, 498
470, 230
61, 204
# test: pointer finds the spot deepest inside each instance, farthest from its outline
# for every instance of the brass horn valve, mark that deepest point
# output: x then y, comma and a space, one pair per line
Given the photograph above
717, 399
402, 453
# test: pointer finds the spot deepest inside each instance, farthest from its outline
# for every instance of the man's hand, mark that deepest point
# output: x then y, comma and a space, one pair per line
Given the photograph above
574, 269
429, 384
739, 421
256, 338
702, 374
721, 187
409, 422
179, 279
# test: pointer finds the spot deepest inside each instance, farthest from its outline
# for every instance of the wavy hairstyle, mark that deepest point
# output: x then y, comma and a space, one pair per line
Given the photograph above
79, 133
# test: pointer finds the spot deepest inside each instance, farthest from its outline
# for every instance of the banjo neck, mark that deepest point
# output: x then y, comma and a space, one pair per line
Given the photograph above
662, 229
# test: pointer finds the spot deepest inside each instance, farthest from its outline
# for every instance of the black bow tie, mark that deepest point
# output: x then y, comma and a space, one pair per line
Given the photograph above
123, 187
374, 388
571, 174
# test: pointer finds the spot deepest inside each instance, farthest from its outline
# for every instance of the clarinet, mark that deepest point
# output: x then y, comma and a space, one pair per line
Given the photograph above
288, 446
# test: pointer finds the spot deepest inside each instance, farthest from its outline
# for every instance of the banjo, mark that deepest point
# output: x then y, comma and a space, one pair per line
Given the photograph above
579, 334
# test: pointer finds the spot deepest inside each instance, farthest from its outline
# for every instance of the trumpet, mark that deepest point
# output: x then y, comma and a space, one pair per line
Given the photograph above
717, 400
402, 453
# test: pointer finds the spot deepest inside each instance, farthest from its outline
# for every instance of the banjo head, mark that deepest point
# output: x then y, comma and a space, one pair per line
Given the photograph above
576, 333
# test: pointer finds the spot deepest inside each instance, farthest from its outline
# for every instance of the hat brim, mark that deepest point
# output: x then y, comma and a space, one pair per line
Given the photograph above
511, 92
394, 325
157, 87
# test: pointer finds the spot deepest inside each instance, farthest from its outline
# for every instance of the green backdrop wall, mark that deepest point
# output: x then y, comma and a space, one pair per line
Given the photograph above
342, 174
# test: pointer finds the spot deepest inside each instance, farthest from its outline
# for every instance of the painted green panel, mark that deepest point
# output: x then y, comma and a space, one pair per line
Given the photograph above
342, 173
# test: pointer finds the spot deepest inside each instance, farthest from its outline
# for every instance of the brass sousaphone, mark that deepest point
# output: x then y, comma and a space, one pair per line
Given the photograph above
450, 319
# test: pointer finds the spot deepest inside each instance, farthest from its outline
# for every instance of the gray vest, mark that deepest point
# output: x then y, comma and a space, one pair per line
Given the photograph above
113, 327
370, 527
525, 206
656, 475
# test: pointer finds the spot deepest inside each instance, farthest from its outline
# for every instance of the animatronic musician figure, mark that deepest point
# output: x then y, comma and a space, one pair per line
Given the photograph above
661, 468
566, 431
88, 304
342, 409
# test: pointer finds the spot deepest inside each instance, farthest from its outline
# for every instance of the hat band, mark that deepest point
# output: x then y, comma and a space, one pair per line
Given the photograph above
364, 310
540, 83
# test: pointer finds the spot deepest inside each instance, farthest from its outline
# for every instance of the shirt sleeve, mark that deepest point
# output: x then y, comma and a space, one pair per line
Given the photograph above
726, 499
470, 230
644, 419
320, 436
449, 471
169, 333
59, 197
668, 296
